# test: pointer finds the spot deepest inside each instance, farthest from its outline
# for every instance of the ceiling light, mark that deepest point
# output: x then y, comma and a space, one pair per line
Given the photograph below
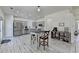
11, 8
38, 8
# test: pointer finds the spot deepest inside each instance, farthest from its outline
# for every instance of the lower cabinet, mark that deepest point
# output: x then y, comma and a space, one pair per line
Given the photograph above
61, 35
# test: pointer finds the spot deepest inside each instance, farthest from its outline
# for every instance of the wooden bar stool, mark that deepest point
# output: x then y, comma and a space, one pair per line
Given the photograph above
43, 39
33, 38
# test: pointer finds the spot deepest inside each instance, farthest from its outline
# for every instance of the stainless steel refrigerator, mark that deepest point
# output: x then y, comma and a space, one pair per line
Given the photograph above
17, 28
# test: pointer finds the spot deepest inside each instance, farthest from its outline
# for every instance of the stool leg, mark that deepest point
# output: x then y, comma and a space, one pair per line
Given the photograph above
44, 44
34, 40
39, 42
47, 43
44, 47
31, 40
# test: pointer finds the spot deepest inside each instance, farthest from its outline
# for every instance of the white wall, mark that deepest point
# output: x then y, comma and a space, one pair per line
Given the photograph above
76, 14
9, 26
1, 13
1, 33
65, 16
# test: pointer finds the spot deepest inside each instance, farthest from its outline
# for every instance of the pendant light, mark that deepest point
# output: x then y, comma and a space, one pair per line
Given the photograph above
38, 8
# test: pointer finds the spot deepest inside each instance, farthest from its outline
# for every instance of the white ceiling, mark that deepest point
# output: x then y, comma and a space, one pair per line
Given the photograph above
31, 12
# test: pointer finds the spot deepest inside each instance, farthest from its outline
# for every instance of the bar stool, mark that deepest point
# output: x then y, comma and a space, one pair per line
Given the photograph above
33, 38
43, 39
61, 35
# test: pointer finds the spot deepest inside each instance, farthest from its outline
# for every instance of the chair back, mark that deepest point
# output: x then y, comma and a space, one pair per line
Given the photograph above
44, 34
